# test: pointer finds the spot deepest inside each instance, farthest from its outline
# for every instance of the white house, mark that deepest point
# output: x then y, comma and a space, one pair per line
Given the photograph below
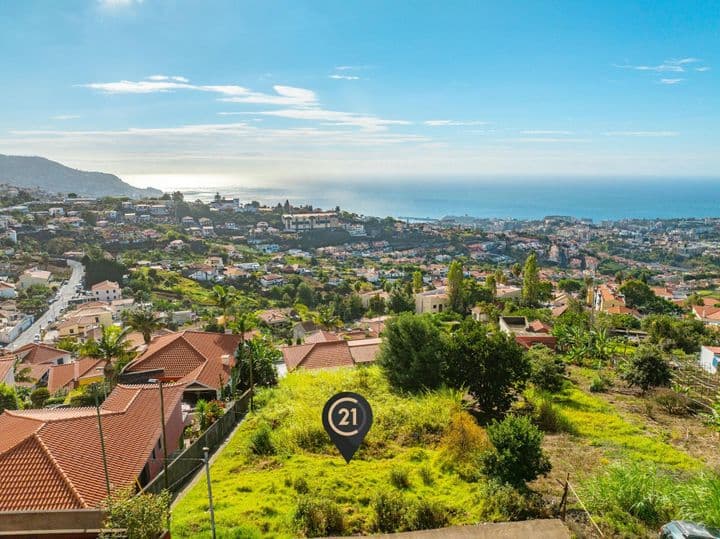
106, 291
710, 358
34, 276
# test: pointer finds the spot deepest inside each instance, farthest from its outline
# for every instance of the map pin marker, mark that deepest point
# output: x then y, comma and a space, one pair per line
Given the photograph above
347, 418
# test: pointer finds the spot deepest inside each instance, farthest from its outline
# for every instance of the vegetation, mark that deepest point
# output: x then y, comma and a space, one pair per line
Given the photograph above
262, 355
647, 368
280, 477
8, 398
142, 515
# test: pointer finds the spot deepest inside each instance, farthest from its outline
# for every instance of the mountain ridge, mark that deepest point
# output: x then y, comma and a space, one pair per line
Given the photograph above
51, 176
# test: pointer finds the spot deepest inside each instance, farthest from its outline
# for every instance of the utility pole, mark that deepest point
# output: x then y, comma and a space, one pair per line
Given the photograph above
162, 425
209, 488
102, 442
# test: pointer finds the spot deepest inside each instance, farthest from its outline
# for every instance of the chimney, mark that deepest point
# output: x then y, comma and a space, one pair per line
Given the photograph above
225, 358
76, 371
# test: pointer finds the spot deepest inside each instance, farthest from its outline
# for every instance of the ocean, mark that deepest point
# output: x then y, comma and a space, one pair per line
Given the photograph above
520, 198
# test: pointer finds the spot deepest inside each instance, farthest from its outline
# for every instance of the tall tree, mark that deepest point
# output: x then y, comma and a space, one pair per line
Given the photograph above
145, 321
411, 353
417, 282
531, 281
224, 299
456, 296
491, 284
113, 347
516, 269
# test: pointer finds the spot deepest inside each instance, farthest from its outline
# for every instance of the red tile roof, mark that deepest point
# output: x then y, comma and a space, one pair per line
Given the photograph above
37, 353
6, 365
66, 376
330, 354
52, 459
190, 356
321, 336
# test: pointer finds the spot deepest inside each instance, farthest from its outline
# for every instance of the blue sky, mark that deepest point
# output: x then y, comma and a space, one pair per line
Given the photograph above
291, 89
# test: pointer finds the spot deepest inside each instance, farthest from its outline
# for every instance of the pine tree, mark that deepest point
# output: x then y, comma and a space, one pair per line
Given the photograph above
455, 287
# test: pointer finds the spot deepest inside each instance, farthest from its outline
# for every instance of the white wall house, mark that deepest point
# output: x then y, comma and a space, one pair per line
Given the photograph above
106, 291
710, 358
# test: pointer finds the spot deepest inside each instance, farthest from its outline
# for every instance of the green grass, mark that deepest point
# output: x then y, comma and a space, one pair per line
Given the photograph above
599, 424
258, 493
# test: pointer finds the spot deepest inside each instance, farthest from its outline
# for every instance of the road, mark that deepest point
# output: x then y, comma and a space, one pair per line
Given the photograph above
66, 292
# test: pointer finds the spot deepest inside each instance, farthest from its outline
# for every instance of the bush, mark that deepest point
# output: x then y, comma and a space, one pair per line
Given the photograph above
318, 517
260, 441
518, 456
389, 509
547, 371
426, 515
463, 444
699, 500
647, 368
501, 502
400, 478
550, 419
301, 486
600, 384
426, 475
411, 353
672, 402
142, 515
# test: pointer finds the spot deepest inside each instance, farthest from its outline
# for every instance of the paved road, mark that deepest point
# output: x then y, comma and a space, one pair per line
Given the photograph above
66, 292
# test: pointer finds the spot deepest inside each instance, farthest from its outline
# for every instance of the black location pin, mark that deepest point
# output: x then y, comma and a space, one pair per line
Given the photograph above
347, 418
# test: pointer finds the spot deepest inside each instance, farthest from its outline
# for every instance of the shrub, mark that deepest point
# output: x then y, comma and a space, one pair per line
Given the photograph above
600, 384
549, 419
426, 475
547, 370
647, 368
699, 499
389, 511
426, 515
672, 402
463, 444
400, 478
142, 515
518, 456
501, 502
39, 397
318, 517
260, 441
301, 485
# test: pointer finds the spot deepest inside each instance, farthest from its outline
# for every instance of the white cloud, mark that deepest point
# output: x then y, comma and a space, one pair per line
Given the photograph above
165, 77
338, 118
285, 96
671, 81
444, 123
343, 77
138, 87
668, 66
545, 132
703, 68
642, 134
64, 117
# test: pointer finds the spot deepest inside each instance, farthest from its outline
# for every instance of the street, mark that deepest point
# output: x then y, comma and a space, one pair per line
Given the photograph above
66, 292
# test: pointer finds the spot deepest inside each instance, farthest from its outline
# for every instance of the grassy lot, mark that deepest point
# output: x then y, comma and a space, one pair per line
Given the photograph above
258, 495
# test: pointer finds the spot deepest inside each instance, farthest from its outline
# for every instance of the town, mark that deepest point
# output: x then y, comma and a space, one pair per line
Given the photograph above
139, 336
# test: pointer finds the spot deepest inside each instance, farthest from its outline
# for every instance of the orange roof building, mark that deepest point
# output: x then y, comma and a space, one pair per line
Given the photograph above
52, 459
331, 354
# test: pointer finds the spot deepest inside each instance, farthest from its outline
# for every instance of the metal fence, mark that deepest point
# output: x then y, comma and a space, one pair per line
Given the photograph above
190, 460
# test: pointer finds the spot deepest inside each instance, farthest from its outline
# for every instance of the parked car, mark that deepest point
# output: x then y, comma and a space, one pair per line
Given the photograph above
682, 529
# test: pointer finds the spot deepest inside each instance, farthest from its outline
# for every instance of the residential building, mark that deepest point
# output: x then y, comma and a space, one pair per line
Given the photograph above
53, 459
710, 358
38, 354
527, 334
432, 301
33, 277
106, 291
329, 353
301, 222
7, 290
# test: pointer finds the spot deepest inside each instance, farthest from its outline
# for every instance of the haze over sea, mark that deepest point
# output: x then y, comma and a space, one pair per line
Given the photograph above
504, 197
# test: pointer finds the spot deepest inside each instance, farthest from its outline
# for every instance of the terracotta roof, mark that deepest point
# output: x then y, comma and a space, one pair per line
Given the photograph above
63, 376
364, 350
51, 459
319, 355
186, 356
6, 365
5, 284
537, 326
321, 336
709, 313
105, 285
38, 353
35, 372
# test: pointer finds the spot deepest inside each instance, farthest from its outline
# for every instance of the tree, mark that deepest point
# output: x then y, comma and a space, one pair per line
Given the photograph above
640, 296
489, 364
113, 347
411, 353
518, 456
327, 318
547, 370
306, 295
39, 397
400, 302
377, 304
531, 281
224, 299
570, 285
516, 269
263, 355
456, 296
417, 282
647, 368
491, 284
144, 321
8, 398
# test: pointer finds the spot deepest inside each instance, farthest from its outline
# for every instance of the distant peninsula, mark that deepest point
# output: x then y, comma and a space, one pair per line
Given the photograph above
38, 172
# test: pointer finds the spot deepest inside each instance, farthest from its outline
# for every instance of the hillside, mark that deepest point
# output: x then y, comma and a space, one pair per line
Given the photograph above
30, 171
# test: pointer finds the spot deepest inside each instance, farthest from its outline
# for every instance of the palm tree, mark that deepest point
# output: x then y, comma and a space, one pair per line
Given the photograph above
22, 374
145, 321
113, 347
326, 318
224, 299
243, 323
